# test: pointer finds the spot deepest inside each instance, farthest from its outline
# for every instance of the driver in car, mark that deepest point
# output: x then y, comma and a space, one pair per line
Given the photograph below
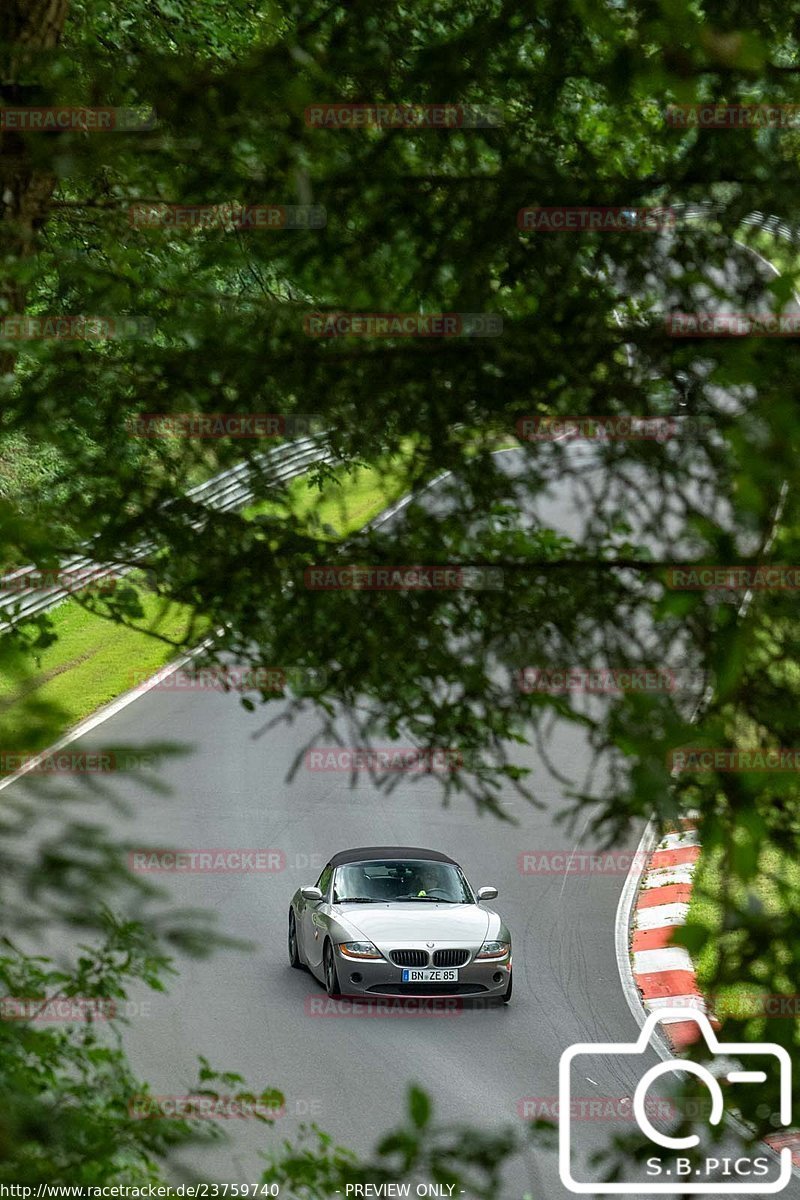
427, 880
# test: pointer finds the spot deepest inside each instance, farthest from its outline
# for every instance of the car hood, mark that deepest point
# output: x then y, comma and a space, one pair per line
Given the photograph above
398, 923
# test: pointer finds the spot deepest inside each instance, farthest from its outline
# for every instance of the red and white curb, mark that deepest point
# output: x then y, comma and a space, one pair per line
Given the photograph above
664, 974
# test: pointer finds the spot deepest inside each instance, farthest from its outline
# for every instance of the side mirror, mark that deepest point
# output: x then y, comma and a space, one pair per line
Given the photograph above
311, 893
487, 893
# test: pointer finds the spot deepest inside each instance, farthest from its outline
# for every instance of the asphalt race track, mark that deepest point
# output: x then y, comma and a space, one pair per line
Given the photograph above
246, 1012
249, 1012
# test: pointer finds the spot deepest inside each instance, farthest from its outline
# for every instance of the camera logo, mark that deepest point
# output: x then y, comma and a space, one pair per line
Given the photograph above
669, 1170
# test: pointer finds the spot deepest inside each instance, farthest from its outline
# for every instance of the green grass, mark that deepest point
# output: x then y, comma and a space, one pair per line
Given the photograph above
351, 498
93, 661
365, 494
706, 908
348, 500
775, 249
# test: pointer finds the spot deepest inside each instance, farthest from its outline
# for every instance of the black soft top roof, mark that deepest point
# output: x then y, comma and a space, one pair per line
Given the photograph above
371, 853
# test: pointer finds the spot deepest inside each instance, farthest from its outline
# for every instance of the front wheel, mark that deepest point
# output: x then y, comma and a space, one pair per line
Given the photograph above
331, 978
294, 953
507, 995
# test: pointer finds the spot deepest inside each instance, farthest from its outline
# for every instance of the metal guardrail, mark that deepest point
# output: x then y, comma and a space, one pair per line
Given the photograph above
770, 225
25, 593
234, 488
758, 220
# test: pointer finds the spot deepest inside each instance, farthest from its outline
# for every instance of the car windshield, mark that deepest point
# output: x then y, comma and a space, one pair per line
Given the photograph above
420, 881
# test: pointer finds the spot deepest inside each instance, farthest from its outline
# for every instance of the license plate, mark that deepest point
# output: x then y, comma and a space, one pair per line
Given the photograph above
429, 975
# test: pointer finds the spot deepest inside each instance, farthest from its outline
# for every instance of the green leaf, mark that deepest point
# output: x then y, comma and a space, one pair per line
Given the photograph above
419, 1107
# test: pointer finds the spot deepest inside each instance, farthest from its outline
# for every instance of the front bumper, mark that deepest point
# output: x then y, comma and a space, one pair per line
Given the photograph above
487, 978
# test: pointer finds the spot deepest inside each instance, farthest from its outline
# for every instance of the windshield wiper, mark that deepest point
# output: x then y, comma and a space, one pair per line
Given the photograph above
427, 899
357, 900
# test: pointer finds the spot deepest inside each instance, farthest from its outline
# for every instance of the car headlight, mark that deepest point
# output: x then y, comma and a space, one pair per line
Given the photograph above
359, 950
493, 950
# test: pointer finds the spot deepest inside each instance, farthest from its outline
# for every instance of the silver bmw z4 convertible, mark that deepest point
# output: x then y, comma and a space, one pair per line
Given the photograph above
399, 921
